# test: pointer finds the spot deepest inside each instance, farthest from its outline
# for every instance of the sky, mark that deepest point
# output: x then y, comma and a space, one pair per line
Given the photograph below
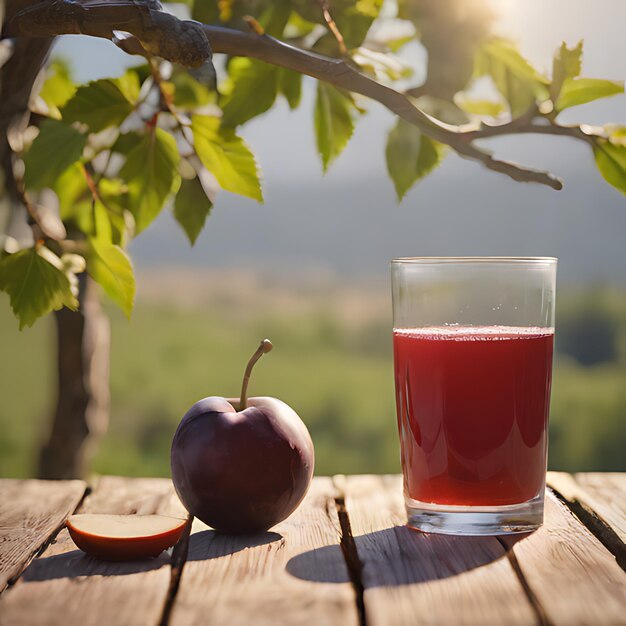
348, 222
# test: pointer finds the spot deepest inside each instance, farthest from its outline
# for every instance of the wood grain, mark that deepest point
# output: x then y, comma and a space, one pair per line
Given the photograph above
294, 574
416, 578
607, 496
64, 586
599, 502
31, 511
576, 580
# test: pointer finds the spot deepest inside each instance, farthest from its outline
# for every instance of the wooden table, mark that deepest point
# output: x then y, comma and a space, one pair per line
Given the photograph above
344, 557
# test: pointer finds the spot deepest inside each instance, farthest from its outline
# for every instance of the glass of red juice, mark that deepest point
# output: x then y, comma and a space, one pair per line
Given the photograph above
473, 341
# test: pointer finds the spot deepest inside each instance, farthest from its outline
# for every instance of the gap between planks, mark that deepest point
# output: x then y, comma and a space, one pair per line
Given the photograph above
42, 525
540, 612
273, 578
53, 537
407, 577
346, 542
349, 551
177, 563
593, 513
64, 586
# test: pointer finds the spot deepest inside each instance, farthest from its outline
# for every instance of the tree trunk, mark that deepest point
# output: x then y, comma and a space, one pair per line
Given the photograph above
83, 338
82, 410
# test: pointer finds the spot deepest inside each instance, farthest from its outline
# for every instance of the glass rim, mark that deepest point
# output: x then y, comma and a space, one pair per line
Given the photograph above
512, 260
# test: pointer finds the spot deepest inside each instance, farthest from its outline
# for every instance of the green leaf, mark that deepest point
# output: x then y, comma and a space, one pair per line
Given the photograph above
617, 134
206, 12
54, 149
126, 142
577, 91
192, 207
487, 108
334, 123
35, 285
71, 189
411, 155
115, 198
611, 161
514, 77
142, 72
382, 66
254, 88
353, 18
226, 156
297, 26
152, 175
77, 207
189, 93
275, 17
58, 88
290, 85
75, 200
506, 52
567, 64
395, 45
109, 266
442, 110
128, 83
102, 224
103, 103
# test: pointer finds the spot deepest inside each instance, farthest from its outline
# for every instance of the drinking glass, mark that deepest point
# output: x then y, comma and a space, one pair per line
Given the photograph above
473, 341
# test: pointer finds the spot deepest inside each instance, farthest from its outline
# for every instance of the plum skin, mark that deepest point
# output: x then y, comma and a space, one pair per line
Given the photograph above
241, 472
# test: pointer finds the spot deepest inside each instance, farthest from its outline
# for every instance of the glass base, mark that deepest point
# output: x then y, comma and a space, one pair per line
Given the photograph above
475, 520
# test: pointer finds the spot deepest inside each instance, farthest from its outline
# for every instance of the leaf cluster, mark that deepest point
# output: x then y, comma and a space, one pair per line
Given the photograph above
117, 152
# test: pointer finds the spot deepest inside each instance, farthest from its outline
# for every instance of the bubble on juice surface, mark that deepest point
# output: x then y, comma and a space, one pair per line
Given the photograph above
454, 332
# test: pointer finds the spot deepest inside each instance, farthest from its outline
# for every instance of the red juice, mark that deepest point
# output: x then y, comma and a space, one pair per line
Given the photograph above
472, 412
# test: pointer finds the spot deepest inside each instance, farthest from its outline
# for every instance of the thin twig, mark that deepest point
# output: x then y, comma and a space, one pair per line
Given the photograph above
89, 176
167, 102
332, 27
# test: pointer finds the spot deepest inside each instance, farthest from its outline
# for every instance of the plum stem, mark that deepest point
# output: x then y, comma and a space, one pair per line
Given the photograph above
264, 346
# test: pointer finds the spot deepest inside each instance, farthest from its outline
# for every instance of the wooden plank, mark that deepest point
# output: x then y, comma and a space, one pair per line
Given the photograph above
576, 580
294, 574
416, 578
31, 511
607, 497
599, 502
64, 586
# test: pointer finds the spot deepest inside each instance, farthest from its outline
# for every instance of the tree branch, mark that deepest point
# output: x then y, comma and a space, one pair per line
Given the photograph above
187, 42
529, 128
180, 41
337, 72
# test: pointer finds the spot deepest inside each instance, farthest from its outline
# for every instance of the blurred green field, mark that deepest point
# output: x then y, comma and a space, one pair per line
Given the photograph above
332, 362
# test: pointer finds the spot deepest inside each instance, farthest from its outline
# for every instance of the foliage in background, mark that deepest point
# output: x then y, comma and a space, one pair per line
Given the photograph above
102, 160
347, 401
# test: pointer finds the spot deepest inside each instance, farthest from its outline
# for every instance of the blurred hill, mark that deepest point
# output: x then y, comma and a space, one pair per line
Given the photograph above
192, 332
351, 225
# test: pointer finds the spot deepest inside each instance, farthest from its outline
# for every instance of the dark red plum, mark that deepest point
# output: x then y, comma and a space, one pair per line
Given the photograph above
242, 465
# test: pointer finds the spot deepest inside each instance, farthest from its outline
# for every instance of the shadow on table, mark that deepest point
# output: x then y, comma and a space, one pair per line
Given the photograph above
203, 545
399, 556
209, 544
